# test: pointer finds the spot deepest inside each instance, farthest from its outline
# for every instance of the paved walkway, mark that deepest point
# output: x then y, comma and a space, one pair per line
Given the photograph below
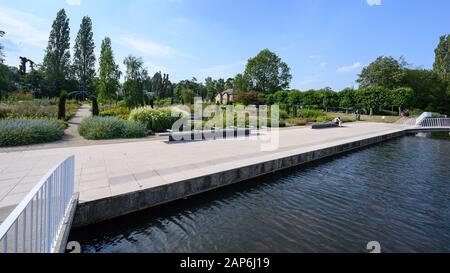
108, 170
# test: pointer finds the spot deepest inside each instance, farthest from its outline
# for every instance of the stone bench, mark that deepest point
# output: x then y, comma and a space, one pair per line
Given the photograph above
324, 125
208, 134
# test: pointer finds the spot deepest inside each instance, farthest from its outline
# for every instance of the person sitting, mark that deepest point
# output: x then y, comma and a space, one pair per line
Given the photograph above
338, 121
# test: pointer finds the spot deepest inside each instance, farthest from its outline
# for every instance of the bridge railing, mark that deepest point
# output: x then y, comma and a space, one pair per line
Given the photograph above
423, 116
435, 122
35, 224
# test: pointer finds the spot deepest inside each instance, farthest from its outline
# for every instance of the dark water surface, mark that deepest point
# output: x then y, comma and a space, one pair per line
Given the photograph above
396, 193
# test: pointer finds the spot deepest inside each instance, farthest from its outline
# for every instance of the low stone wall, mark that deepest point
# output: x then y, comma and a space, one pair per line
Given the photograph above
112, 207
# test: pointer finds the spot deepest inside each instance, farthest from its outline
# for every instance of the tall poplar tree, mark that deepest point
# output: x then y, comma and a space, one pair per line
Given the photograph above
441, 64
57, 55
109, 72
84, 58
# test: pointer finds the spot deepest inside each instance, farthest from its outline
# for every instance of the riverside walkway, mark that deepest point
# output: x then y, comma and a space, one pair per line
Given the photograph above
115, 179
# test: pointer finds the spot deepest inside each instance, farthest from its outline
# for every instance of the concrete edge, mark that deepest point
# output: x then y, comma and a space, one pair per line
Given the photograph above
112, 207
61, 243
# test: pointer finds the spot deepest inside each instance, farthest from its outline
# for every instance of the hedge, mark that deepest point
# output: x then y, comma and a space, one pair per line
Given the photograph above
110, 127
16, 132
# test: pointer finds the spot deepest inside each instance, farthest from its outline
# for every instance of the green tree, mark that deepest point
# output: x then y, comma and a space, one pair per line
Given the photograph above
430, 90
348, 99
386, 72
84, 58
267, 72
373, 97
57, 55
2, 54
210, 88
62, 105
134, 81
241, 83
220, 85
402, 97
157, 85
109, 73
229, 83
441, 64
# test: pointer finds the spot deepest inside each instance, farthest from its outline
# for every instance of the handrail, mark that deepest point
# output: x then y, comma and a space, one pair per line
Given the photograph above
423, 116
47, 204
435, 122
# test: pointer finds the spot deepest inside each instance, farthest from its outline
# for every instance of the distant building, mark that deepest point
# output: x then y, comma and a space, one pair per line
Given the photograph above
225, 97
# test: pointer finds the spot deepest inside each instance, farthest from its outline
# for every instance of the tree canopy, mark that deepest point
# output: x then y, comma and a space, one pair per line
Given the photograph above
83, 57
386, 72
57, 54
441, 64
267, 73
109, 73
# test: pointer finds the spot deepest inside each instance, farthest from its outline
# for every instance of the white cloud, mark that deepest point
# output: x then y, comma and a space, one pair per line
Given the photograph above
73, 2
323, 64
314, 56
23, 28
148, 47
374, 2
152, 68
344, 69
223, 71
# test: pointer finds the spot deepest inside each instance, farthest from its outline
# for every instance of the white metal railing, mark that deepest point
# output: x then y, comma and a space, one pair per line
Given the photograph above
423, 116
435, 122
34, 225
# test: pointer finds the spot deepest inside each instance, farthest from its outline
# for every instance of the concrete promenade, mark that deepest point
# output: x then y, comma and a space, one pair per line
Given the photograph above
114, 179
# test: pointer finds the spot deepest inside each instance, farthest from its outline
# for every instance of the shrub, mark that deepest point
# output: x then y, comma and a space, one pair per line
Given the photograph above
121, 112
20, 95
35, 109
162, 102
110, 127
308, 113
16, 132
62, 105
297, 121
157, 120
94, 106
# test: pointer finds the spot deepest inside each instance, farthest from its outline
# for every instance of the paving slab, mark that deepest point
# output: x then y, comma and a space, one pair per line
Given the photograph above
107, 170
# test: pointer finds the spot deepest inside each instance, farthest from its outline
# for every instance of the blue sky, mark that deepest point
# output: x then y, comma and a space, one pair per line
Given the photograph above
325, 42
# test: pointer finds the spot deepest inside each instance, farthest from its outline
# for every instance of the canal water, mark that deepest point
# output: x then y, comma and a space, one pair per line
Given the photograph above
396, 193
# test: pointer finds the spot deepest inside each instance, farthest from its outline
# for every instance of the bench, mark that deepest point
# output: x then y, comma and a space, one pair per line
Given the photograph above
324, 125
208, 134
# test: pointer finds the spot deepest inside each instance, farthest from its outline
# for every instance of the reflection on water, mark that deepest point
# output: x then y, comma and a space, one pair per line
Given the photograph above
396, 193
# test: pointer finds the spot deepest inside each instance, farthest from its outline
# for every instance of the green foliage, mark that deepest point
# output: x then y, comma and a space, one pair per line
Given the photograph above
373, 97
16, 132
241, 83
157, 120
134, 81
402, 97
110, 127
160, 85
121, 112
309, 113
348, 99
386, 72
267, 72
187, 96
186, 90
441, 64
95, 110
62, 105
36, 109
109, 73
83, 57
162, 102
57, 55
247, 98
